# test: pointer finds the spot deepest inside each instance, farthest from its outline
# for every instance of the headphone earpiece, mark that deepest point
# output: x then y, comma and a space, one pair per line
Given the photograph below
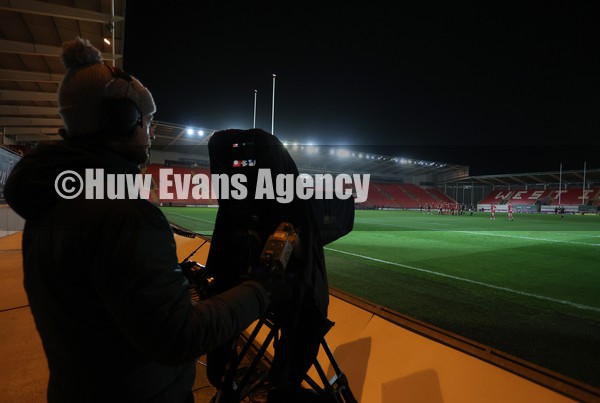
121, 116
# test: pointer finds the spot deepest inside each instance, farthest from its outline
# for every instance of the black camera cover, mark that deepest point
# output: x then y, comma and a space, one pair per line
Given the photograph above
243, 226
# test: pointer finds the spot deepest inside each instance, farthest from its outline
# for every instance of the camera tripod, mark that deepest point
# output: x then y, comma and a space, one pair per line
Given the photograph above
334, 390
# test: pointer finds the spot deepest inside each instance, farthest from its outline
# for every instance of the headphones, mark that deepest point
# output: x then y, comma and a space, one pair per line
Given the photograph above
120, 115
117, 117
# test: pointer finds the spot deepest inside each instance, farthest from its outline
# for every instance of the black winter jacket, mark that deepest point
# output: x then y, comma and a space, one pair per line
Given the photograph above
108, 298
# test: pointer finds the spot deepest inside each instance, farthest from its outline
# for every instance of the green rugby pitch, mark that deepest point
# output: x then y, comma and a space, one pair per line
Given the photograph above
528, 287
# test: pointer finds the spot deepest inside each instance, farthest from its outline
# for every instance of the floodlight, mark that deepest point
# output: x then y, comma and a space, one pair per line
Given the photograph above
343, 153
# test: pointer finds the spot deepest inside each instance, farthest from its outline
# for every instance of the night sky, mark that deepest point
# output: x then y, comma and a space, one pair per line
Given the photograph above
502, 87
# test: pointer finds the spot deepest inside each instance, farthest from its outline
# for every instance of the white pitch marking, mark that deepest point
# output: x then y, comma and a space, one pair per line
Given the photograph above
526, 237
527, 294
189, 217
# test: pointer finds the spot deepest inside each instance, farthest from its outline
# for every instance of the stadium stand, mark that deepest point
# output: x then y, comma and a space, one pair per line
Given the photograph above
439, 196
390, 195
154, 170
418, 193
568, 197
595, 198
528, 197
378, 198
381, 194
398, 195
496, 197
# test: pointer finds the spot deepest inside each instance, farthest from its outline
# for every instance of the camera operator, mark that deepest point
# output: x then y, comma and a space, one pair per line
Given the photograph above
108, 297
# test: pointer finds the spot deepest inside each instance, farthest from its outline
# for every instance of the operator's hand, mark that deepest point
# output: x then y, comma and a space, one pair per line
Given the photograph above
189, 268
263, 276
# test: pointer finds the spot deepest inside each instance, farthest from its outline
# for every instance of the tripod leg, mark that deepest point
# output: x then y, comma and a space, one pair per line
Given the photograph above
241, 387
226, 386
337, 387
229, 391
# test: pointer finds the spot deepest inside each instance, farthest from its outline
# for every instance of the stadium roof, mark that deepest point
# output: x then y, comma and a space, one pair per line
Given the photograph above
313, 158
31, 34
536, 178
185, 140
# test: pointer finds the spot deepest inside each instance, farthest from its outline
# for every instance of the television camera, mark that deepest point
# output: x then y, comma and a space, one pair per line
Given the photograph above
281, 245
274, 258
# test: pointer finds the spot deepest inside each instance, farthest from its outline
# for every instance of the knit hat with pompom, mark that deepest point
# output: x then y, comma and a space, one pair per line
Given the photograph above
86, 86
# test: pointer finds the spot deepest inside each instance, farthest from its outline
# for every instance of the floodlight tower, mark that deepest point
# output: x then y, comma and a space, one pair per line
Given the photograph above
254, 122
273, 108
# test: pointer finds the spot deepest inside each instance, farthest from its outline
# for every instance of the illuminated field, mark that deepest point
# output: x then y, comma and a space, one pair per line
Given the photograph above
529, 287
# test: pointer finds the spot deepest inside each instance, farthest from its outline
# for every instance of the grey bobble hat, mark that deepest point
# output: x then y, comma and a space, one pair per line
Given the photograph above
88, 83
